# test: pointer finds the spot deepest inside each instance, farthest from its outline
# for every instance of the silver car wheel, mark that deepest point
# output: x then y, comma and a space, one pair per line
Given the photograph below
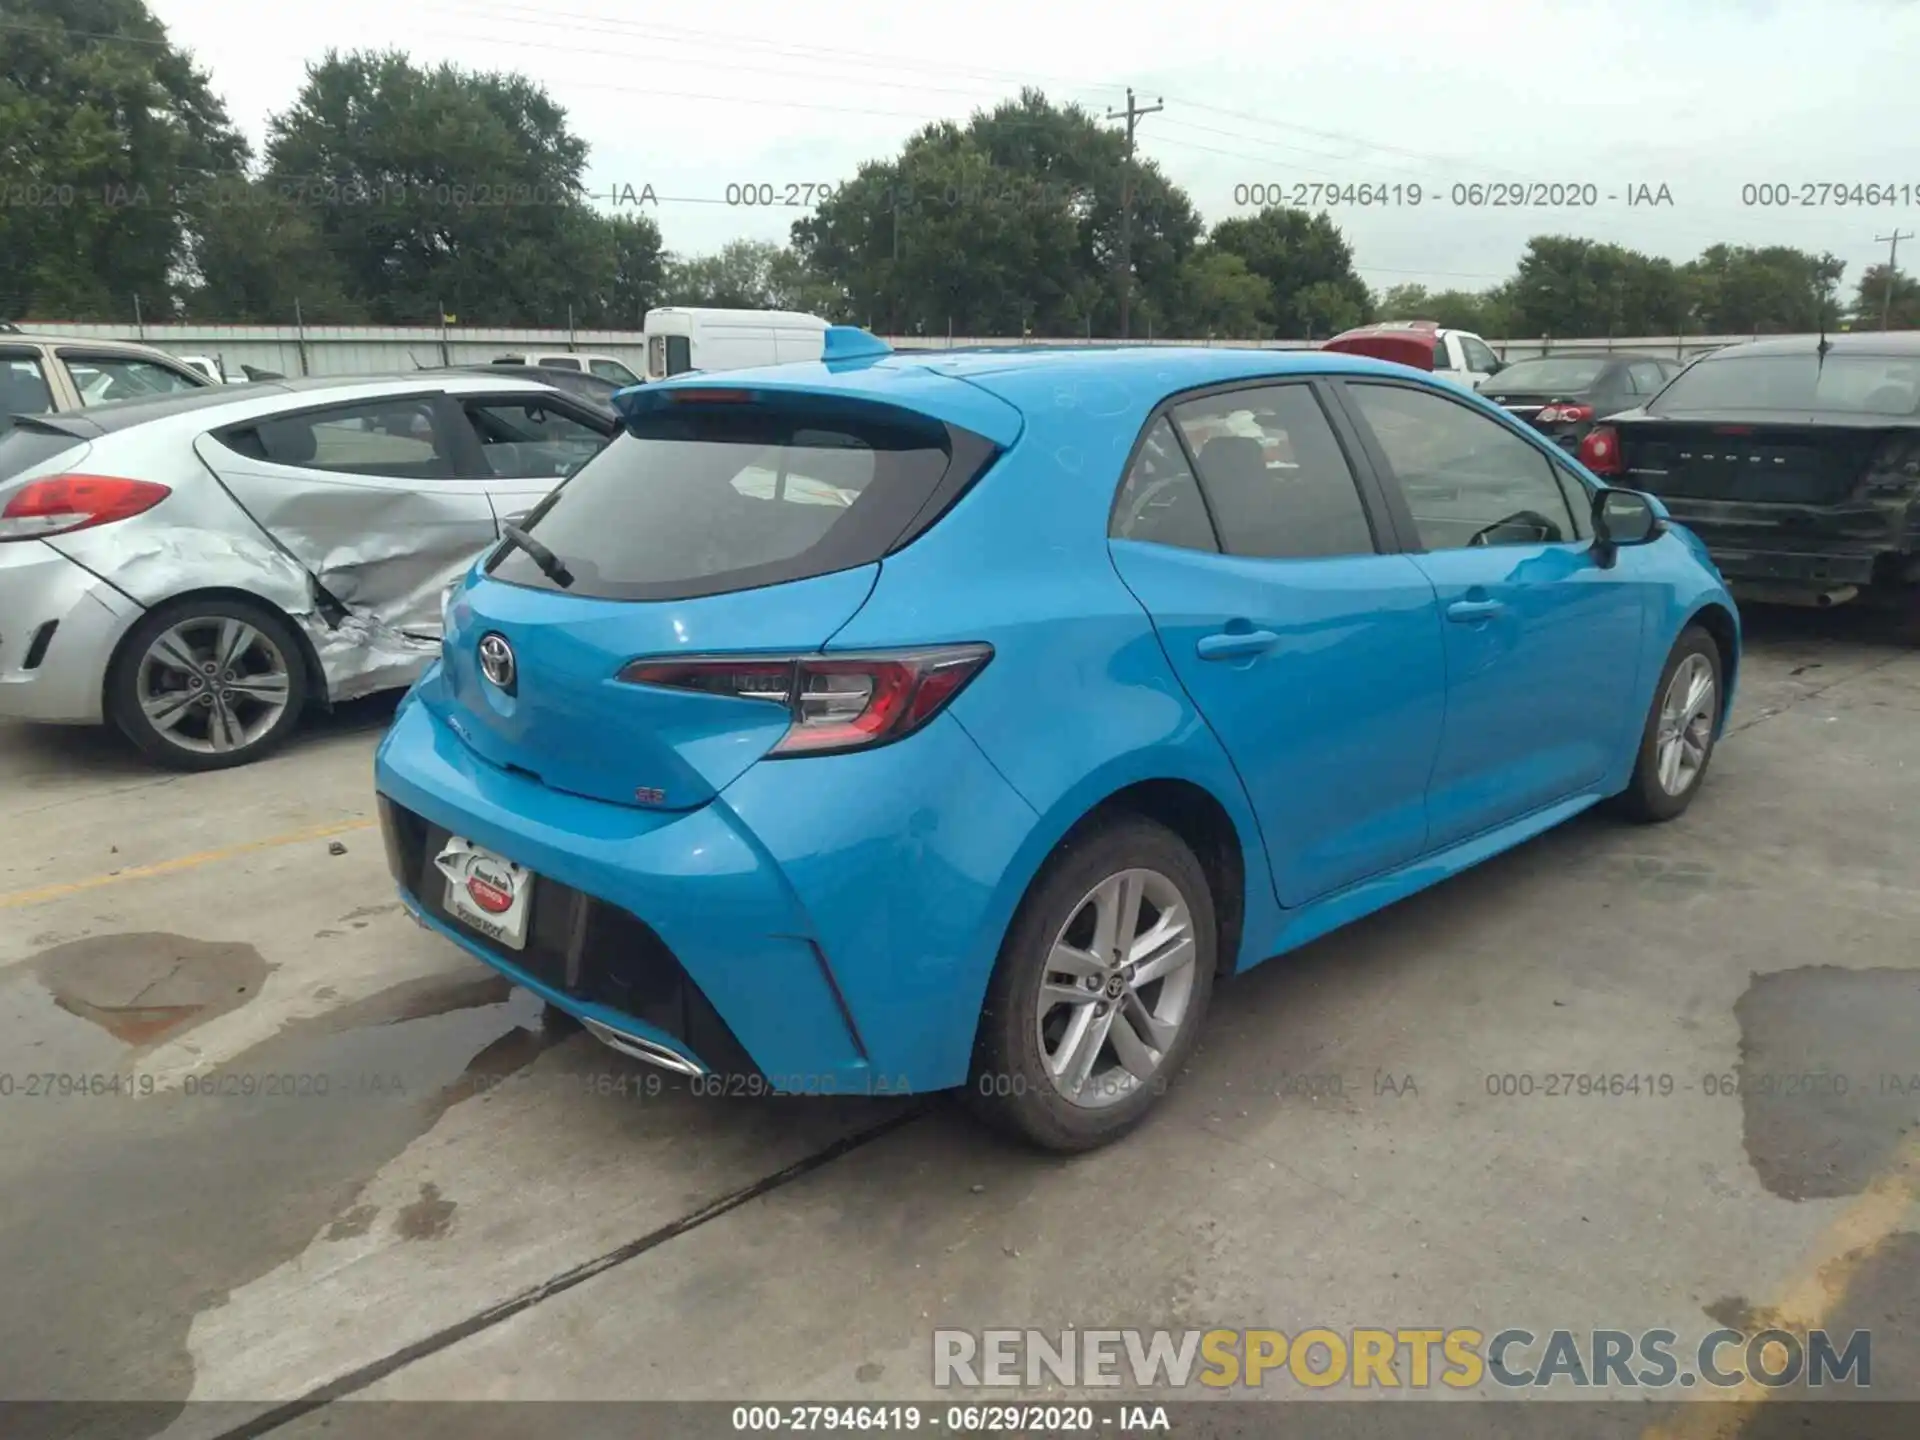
1687, 715
1115, 987
213, 685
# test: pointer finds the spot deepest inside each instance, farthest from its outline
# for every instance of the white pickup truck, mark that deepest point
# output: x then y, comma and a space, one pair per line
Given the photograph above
1460, 355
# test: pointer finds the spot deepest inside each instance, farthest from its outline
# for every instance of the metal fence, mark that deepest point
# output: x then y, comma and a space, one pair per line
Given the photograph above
376, 350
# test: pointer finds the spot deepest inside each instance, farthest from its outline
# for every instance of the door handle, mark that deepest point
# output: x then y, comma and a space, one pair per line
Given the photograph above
1468, 611
1236, 644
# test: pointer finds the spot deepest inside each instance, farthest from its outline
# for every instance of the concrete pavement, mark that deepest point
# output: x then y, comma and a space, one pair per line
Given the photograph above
394, 1178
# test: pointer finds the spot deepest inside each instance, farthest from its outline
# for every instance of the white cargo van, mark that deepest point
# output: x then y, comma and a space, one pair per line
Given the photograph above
683, 338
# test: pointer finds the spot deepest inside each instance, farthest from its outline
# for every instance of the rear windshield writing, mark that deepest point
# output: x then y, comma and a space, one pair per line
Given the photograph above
1848, 384
697, 498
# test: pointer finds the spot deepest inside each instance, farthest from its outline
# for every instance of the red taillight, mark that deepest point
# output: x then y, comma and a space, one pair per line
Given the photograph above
75, 502
1600, 451
1564, 414
834, 702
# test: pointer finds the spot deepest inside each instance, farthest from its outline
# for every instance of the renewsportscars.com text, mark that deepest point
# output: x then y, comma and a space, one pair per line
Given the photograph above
1366, 1358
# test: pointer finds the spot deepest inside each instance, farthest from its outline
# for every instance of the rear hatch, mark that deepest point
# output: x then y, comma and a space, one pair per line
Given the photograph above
723, 522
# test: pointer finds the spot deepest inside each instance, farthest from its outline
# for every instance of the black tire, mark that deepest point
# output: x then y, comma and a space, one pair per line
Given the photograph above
123, 699
1646, 799
1010, 1086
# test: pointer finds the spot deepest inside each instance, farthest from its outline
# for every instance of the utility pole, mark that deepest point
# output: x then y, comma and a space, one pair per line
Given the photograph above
1892, 242
1132, 115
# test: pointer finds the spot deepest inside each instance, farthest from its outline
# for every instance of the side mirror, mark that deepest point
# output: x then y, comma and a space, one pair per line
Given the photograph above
1627, 517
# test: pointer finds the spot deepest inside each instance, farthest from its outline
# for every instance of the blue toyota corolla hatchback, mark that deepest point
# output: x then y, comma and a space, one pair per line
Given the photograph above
897, 723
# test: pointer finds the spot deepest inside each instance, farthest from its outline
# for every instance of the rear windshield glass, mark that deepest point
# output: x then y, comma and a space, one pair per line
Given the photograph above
729, 498
24, 447
1569, 373
1845, 384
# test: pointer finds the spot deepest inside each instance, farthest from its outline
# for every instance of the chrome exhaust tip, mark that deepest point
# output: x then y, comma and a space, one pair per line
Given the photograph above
640, 1049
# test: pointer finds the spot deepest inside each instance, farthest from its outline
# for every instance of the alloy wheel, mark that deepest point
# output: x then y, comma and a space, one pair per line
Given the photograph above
1115, 988
213, 684
1687, 715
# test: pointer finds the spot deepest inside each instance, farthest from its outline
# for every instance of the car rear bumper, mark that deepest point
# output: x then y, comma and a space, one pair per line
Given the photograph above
59, 624
826, 925
1815, 548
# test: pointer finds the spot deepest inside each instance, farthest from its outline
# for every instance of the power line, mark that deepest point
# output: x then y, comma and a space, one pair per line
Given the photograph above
1892, 242
1133, 114
543, 18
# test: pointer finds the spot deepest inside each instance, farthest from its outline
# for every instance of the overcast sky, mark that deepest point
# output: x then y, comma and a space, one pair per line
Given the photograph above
1701, 96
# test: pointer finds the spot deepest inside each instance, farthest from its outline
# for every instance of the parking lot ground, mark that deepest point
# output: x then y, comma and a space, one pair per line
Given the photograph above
342, 1162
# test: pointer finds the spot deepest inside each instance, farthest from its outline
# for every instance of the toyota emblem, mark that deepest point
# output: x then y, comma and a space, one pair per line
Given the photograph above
496, 662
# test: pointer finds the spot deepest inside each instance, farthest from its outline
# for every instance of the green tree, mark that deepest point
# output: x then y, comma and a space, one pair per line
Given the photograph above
1741, 290
1008, 224
1064, 156
752, 275
253, 253
1569, 286
1217, 298
106, 130
625, 273
1405, 302
942, 237
1871, 300
1484, 312
1308, 266
738, 276
792, 284
441, 188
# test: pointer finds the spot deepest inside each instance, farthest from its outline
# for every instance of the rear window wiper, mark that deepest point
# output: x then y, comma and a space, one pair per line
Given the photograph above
550, 564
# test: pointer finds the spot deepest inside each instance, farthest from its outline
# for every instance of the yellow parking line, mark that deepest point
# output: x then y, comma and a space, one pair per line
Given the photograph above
1815, 1289
185, 862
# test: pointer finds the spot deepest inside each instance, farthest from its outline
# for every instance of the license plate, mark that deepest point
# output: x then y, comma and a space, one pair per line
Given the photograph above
486, 892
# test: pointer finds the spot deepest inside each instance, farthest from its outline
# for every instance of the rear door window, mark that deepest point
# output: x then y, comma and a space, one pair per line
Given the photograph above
1274, 475
23, 387
1160, 501
404, 439
728, 497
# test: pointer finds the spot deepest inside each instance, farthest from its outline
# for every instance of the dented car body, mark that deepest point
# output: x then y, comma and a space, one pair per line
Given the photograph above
309, 528
1798, 465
